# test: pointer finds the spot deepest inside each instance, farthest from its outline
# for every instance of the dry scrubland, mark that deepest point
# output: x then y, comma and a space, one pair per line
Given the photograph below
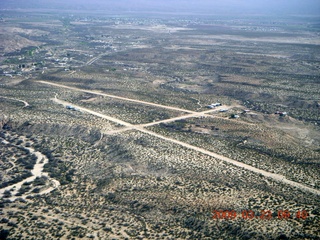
42, 113
135, 185
265, 148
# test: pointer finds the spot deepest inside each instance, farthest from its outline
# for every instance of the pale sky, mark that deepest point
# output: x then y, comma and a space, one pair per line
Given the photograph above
305, 7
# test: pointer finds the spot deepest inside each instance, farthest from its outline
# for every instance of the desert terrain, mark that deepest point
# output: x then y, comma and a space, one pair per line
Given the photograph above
126, 127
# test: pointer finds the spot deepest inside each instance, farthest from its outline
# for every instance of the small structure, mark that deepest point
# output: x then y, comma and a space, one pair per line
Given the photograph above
213, 105
72, 108
216, 104
233, 115
281, 114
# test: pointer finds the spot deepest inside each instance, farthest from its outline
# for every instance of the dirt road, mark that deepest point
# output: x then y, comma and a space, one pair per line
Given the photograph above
130, 126
117, 97
192, 115
93, 60
82, 109
276, 177
26, 104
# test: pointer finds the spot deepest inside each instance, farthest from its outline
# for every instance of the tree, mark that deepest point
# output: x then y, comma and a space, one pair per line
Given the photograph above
4, 233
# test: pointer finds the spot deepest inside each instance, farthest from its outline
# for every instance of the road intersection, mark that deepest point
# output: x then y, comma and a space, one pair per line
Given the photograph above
141, 128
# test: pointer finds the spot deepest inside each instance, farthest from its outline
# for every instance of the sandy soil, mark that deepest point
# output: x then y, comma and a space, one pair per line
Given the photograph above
37, 171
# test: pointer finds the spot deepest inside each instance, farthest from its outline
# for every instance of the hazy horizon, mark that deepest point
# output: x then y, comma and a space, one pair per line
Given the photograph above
284, 7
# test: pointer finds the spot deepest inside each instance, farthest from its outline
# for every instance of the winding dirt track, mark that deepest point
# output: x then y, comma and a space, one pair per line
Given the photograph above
26, 104
276, 177
37, 171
